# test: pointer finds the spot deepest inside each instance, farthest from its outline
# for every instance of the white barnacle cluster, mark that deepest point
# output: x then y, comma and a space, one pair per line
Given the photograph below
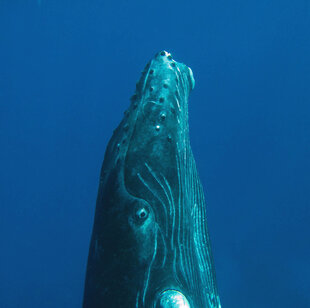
173, 299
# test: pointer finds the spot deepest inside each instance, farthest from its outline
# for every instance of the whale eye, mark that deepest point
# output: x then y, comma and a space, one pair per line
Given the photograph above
141, 214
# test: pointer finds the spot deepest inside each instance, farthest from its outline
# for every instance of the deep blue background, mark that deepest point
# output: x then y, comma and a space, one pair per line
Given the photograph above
67, 70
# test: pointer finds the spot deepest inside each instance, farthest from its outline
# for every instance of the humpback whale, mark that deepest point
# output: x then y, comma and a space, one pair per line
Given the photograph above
150, 246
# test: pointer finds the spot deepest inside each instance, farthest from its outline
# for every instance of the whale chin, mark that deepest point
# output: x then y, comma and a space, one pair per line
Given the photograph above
171, 299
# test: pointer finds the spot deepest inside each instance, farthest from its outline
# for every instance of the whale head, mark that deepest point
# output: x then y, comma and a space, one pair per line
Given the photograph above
150, 246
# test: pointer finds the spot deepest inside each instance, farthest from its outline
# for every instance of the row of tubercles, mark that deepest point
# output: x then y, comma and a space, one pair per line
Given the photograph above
135, 97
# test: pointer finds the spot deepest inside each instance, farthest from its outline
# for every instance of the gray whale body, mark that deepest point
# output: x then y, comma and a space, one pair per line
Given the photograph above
150, 246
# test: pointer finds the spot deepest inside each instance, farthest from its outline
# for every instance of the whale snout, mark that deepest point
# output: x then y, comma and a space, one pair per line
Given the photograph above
167, 58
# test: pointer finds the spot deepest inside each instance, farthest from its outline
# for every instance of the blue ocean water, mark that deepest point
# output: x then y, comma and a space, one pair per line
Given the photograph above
67, 70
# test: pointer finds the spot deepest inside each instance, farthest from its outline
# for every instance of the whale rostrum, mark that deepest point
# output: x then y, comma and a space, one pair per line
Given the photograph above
150, 246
